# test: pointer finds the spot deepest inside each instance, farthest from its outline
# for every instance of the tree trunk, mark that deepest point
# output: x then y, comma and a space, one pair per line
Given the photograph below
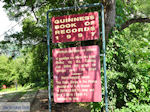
110, 14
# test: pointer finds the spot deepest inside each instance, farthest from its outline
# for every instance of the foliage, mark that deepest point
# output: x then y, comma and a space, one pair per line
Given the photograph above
4, 69
38, 67
134, 108
30, 67
128, 70
129, 65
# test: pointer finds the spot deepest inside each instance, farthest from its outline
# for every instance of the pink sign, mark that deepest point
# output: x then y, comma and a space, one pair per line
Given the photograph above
76, 74
77, 27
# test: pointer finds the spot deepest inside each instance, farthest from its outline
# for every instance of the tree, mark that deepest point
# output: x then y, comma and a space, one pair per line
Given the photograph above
4, 70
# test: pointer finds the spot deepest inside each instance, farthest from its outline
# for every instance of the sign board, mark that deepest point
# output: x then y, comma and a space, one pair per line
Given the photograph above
77, 27
76, 74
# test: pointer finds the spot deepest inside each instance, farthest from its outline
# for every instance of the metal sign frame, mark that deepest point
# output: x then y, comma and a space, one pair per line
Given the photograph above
103, 40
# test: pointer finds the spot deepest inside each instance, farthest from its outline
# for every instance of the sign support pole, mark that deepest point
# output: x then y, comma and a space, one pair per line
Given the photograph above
103, 40
49, 65
104, 59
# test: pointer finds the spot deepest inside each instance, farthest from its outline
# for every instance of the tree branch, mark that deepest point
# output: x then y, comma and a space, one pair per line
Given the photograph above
35, 16
135, 20
42, 4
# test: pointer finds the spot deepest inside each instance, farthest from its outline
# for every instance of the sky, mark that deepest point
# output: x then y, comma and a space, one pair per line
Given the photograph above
5, 23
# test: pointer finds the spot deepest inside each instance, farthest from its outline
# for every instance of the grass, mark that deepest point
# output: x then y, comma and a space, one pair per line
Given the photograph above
13, 89
21, 88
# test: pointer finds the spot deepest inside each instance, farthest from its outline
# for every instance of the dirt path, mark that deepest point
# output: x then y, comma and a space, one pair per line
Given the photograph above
11, 96
40, 104
16, 97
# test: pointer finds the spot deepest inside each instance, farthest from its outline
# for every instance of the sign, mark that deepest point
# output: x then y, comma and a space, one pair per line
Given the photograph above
77, 27
76, 74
